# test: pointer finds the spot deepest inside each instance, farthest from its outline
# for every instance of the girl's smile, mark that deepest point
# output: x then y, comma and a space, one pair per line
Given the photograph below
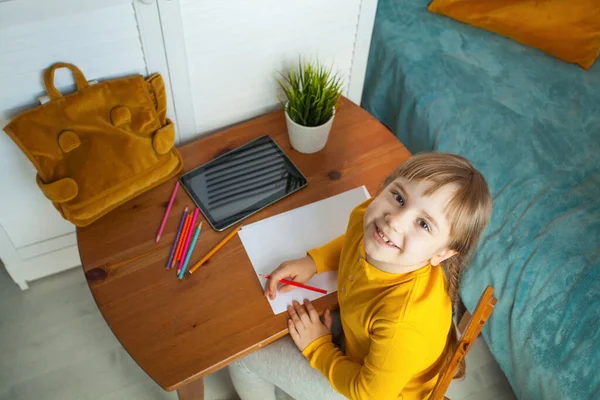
383, 239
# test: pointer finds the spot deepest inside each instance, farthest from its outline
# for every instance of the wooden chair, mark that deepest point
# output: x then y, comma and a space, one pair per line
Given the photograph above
476, 322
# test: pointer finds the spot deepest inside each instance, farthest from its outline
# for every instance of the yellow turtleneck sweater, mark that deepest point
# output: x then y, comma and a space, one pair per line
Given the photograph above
395, 325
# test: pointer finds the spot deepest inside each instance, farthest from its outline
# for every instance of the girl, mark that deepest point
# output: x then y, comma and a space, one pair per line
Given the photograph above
399, 265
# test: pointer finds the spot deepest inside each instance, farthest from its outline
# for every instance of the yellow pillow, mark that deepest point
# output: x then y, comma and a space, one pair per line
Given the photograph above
567, 29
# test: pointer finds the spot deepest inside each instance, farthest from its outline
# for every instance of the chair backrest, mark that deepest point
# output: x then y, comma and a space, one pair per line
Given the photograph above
480, 316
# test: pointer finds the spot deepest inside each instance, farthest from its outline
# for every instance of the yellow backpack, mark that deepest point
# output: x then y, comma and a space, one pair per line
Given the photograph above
100, 146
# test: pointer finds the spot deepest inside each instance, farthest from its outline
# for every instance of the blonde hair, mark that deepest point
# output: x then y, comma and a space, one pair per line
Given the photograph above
468, 211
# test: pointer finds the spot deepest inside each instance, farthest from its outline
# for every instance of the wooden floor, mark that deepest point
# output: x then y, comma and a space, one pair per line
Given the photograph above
55, 345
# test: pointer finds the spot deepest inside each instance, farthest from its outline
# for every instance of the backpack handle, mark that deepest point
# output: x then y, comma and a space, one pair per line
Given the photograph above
53, 93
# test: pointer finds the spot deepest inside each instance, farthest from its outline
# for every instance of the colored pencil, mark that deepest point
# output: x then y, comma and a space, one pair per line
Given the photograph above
186, 226
214, 250
191, 250
164, 220
177, 238
186, 229
297, 284
188, 240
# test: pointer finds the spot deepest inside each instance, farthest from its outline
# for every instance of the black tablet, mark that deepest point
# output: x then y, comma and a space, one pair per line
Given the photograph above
242, 182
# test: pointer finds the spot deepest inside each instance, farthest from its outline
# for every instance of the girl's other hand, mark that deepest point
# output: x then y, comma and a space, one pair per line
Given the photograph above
300, 270
304, 324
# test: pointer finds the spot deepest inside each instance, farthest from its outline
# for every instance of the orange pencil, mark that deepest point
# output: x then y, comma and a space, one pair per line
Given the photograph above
186, 227
214, 250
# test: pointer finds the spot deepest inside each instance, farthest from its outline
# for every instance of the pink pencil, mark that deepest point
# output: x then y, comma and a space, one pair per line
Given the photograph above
188, 240
164, 221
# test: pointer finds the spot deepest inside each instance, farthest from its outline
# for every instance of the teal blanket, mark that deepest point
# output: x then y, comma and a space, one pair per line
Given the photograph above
531, 124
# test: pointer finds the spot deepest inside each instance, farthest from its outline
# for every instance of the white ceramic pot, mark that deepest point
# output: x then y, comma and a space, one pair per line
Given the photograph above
308, 139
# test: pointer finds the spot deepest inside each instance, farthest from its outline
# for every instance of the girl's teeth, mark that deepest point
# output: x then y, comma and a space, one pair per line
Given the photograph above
388, 241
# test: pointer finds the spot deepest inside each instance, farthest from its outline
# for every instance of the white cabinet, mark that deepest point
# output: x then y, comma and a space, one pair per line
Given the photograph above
219, 60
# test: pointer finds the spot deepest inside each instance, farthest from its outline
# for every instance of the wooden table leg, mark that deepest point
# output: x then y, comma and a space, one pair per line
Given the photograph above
192, 391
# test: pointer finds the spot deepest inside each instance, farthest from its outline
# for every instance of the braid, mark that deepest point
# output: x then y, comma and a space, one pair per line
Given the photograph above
454, 266
453, 272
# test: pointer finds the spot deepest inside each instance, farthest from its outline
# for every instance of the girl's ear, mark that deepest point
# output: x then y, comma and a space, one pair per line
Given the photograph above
443, 255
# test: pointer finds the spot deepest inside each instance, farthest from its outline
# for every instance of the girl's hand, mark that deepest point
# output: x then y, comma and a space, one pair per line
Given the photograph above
305, 326
300, 270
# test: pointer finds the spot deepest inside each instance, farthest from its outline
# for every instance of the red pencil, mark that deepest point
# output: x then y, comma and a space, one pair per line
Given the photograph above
186, 226
300, 285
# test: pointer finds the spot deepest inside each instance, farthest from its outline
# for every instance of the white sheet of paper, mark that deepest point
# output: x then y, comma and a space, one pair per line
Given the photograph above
290, 235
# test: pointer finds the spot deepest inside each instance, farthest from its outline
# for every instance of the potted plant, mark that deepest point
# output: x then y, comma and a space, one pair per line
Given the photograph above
311, 94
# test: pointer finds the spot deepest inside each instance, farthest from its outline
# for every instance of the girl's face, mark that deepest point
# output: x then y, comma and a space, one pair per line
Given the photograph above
406, 229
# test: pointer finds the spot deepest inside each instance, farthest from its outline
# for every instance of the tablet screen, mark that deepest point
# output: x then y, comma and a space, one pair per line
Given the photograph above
242, 182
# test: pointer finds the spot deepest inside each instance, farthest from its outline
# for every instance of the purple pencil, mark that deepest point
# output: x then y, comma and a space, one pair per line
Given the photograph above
177, 238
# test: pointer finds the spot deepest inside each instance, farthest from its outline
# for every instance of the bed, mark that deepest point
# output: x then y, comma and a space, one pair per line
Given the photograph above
531, 124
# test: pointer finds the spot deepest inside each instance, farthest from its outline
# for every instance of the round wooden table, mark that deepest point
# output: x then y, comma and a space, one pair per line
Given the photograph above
179, 331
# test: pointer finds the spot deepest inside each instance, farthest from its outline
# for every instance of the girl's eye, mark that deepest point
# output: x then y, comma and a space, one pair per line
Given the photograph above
398, 198
423, 224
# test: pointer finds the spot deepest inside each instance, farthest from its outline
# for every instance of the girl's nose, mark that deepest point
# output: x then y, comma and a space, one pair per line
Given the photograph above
394, 221
397, 224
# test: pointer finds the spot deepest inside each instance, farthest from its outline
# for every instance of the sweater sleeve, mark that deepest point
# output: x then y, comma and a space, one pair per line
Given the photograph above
327, 257
397, 352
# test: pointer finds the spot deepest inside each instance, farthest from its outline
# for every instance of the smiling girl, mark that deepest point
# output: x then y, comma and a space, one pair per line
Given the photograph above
399, 265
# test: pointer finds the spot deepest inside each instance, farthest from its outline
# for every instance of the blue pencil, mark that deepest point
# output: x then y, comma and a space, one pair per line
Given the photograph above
177, 238
191, 249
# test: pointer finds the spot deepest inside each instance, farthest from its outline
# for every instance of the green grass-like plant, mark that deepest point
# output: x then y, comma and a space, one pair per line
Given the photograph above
311, 92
